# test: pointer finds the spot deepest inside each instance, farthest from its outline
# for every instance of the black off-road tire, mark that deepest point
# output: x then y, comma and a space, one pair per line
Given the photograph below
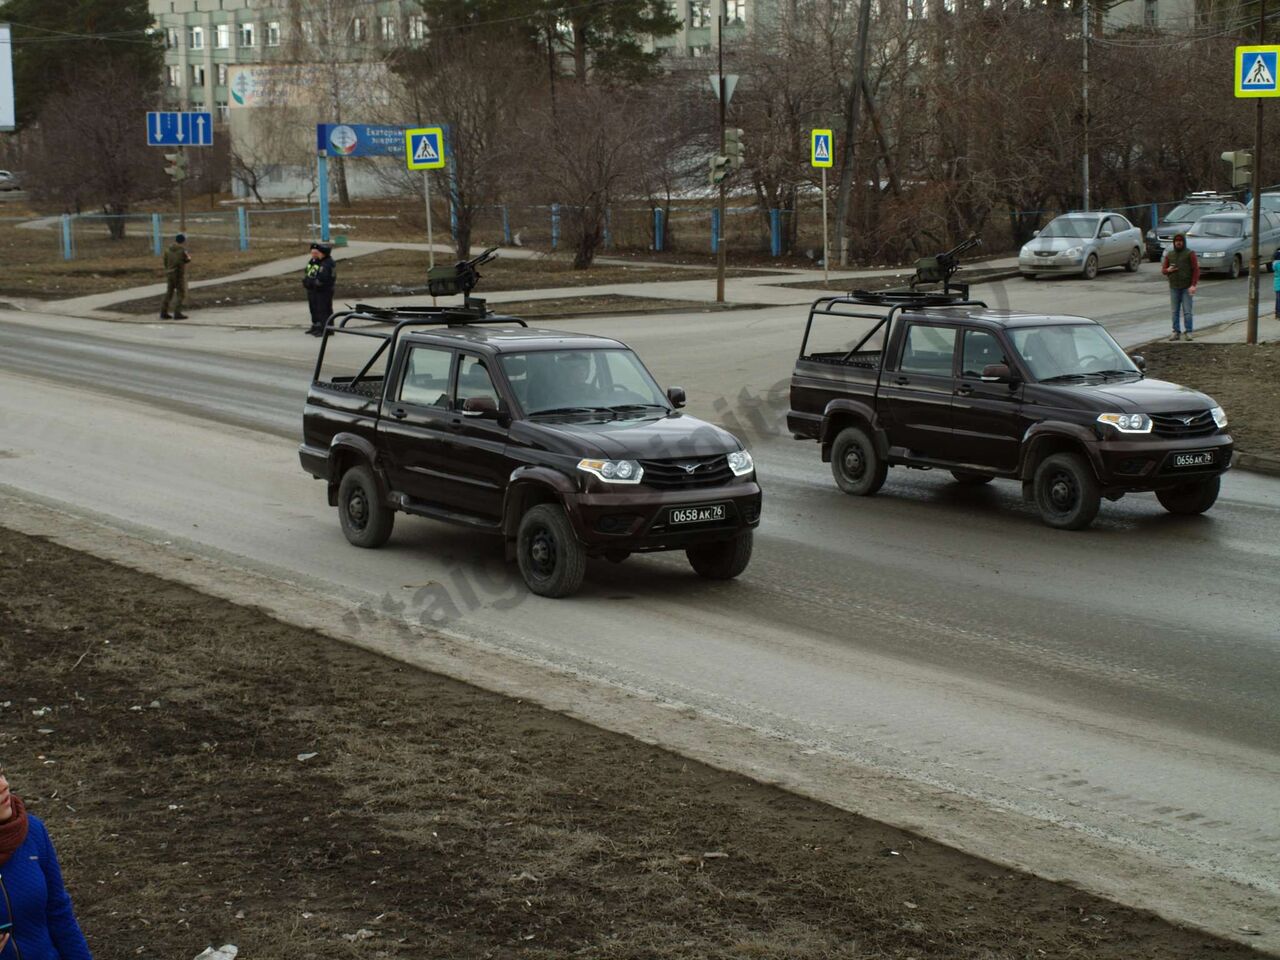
1190, 498
855, 465
366, 520
1090, 266
1135, 258
971, 479
551, 559
722, 560
1066, 491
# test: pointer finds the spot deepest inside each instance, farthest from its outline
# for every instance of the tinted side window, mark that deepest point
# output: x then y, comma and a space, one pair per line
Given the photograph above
981, 348
929, 350
474, 382
426, 377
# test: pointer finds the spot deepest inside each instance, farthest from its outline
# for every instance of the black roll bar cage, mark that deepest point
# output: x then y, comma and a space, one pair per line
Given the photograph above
895, 301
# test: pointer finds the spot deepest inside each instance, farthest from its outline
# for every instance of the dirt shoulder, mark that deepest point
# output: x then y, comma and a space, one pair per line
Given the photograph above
1244, 379
397, 273
211, 775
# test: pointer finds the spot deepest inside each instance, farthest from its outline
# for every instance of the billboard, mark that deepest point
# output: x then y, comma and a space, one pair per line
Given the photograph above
7, 118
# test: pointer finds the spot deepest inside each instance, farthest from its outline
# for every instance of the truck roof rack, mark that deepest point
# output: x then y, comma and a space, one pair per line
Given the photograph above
890, 303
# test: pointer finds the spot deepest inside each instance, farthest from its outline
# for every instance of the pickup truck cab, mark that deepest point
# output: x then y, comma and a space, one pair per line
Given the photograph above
560, 443
933, 381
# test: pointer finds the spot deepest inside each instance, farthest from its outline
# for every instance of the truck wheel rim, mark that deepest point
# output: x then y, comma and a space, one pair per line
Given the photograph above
852, 463
542, 552
1062, 491
358, 509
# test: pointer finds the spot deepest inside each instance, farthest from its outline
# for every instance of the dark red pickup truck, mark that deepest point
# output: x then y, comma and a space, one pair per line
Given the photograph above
934, 381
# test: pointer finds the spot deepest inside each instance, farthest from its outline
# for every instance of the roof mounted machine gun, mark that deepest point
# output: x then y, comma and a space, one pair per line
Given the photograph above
461, 278
942, 267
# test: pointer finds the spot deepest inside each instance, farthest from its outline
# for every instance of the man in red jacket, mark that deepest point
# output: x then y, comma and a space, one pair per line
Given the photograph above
1183, 270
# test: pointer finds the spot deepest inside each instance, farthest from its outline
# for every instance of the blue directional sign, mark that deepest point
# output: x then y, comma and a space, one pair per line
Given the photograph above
172, 129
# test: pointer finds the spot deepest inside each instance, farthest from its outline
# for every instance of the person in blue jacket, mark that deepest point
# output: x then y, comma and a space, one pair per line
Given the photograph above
1275, 281
36, 920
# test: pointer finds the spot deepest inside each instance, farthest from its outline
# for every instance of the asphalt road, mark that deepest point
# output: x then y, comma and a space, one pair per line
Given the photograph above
1121, 684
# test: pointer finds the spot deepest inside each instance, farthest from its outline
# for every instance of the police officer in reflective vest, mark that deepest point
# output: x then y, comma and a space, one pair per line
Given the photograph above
319, 279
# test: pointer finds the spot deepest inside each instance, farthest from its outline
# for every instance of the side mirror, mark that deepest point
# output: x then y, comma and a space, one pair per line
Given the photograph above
997, 373
1140, 362
1035, 233
486, 408
676, 396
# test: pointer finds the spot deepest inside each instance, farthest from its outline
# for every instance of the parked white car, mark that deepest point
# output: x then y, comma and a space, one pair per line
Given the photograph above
10, 181
1082, 243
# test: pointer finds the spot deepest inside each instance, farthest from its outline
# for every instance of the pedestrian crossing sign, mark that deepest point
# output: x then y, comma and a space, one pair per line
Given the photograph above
424, 148
820, 148
1256, 73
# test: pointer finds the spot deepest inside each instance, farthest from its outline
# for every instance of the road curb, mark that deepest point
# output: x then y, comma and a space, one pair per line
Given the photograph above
1256, 463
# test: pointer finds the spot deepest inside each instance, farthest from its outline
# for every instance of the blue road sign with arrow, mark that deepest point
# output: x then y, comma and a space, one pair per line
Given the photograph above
172, 129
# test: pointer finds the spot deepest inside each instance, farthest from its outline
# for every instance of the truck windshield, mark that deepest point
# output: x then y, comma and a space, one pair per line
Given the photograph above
573, 381
1214, 227
1075, 228
1066, 351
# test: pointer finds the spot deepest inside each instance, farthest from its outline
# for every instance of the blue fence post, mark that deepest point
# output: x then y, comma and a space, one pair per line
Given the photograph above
608, 227
659, 229
67, 252
242, 220
322, 177
157, 241
715, 229
555, 225
1155, 215
775, 233
506, 225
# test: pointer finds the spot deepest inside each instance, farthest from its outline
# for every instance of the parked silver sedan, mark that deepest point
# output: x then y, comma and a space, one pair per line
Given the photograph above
1082, 243
1222, 242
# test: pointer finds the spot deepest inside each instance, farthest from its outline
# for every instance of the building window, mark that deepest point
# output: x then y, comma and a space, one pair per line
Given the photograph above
387, 27
197, 75
308, 31
222, 111
220, 74
736, 11
273, 33
222, 36
359, 33
699, 13
172, 38
195, 38
247, 35
417, 28
1150, 14
175, 75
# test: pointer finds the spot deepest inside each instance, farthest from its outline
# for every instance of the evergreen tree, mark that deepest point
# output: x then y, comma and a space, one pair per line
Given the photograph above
58, 44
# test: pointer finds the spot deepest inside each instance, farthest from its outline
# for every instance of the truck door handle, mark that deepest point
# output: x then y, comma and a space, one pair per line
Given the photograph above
902, 381
455, 425
964, 390
399, 413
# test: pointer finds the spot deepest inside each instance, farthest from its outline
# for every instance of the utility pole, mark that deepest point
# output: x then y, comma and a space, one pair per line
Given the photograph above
852, 120
1085, 32
1255, 271
720, 253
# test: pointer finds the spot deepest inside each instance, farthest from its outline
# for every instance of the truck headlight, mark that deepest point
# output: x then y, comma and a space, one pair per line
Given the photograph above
741, 464
1151, 234
1127, 422
613, 471
1219, 417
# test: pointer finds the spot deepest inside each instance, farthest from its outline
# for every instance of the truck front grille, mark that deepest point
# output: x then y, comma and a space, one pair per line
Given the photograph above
687, 473
1192, 423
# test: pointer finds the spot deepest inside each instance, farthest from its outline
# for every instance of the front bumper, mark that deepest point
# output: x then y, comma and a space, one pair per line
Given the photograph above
637, 519
1050, 265
1148, 463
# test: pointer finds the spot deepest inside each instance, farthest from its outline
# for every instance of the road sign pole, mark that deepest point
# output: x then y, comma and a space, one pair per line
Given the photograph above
1255, 268
826, 243
182, 194
720, 252
426, 189
322, 183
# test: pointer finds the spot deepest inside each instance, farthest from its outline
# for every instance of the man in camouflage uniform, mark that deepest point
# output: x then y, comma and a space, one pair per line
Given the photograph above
176, 259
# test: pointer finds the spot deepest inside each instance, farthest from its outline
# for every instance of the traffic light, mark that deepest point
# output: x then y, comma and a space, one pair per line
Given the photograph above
177, 167
733, 148
1241, 167
719, 169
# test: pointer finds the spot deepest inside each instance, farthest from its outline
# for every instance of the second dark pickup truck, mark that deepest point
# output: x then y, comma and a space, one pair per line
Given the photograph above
933, 381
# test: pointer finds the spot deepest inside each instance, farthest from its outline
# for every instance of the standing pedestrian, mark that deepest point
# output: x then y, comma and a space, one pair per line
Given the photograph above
35, 911
1183, 270
176, 259
319, 278
1275, 281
